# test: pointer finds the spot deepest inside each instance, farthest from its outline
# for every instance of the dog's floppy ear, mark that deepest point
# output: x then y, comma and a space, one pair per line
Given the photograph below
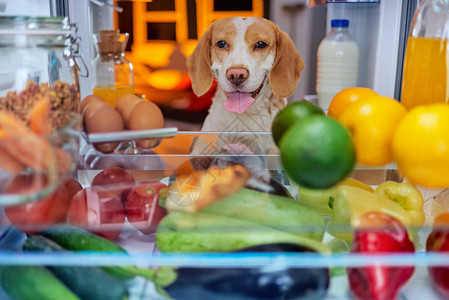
199, 65
287, 66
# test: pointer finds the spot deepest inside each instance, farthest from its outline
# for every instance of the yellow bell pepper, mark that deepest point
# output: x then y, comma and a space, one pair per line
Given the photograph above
351, 203
406, 195
319, 198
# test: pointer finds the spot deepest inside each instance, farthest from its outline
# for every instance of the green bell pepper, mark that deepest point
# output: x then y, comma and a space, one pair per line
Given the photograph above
319, 198
352, 203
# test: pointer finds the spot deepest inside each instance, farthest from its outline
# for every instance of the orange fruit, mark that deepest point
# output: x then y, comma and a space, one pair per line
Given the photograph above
421, 145
372, 122
346, 97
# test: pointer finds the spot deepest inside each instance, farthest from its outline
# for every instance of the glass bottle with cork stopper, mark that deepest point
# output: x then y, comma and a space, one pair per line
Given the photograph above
114, 75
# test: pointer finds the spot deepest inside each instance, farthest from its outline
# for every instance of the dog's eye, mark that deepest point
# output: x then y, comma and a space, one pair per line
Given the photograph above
260, 45
221, 44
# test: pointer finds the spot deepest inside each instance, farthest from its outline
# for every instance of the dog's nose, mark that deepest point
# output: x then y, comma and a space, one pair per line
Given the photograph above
237, 75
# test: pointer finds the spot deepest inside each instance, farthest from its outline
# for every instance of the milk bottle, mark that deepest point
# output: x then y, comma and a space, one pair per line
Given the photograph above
338, 62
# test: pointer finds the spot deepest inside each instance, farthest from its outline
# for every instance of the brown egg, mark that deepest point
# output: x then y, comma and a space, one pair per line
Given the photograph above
128, 109
91, 107
146, 115
104, 119
88, 99
123, 101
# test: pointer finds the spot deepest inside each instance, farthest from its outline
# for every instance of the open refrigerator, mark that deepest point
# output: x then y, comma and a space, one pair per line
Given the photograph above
380, 28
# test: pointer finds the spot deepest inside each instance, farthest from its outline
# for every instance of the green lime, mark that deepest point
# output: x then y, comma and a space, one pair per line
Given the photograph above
317, 152
290, 114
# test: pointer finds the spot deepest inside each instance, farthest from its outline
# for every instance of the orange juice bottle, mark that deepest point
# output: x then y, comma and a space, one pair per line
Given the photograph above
425, 72
425, 77
111, 93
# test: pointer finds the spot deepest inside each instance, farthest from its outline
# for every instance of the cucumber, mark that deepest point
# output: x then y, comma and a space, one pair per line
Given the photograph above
270, 210
33, 282
89, 283
75, 238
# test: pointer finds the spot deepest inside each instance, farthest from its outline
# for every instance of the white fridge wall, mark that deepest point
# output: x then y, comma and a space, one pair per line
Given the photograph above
38, 8
387, 47
363, 26
376, 28
306, 27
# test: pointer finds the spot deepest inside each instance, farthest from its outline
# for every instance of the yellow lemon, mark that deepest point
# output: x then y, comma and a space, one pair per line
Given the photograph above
421, 145
372, 122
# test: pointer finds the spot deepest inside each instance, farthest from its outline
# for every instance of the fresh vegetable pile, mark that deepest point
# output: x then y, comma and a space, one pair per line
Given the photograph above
73, 218
222, 215
73, 282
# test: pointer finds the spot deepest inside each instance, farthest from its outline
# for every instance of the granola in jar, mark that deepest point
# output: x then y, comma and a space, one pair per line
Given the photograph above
63, 97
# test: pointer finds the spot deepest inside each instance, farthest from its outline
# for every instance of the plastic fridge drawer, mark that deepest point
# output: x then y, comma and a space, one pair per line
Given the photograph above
202, 252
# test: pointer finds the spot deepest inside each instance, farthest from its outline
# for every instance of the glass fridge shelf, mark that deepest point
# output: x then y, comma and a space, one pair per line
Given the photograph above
313, 3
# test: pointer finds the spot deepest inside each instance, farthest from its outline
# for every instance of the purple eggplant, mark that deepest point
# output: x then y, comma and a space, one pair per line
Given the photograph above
270, 282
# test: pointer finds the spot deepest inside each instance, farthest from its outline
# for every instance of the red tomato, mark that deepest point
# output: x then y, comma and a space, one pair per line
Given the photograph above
72, 187
36, 216
115, 179
98, 210
142, 207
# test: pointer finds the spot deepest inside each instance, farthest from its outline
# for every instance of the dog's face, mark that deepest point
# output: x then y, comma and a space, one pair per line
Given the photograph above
241, 53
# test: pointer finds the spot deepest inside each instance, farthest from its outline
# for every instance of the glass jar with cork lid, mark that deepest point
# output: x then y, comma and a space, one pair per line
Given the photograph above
114, 75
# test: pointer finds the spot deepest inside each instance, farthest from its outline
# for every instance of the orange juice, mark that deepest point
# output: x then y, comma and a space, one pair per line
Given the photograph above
425, 72
110, 93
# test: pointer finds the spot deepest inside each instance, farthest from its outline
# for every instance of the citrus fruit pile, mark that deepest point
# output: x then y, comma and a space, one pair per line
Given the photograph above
317, 150
384, 132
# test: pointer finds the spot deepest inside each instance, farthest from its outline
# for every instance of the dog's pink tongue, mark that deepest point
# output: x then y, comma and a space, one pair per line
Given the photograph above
239, 102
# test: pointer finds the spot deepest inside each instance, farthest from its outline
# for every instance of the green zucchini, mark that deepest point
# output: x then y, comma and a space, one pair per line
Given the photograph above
33, 282
282, 213
75, 238
89, 283
203, 232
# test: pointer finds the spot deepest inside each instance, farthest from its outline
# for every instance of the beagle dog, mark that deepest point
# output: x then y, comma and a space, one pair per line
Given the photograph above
256, 66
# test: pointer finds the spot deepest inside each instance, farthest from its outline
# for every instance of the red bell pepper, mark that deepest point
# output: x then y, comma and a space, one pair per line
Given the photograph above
379, 234
438, 240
